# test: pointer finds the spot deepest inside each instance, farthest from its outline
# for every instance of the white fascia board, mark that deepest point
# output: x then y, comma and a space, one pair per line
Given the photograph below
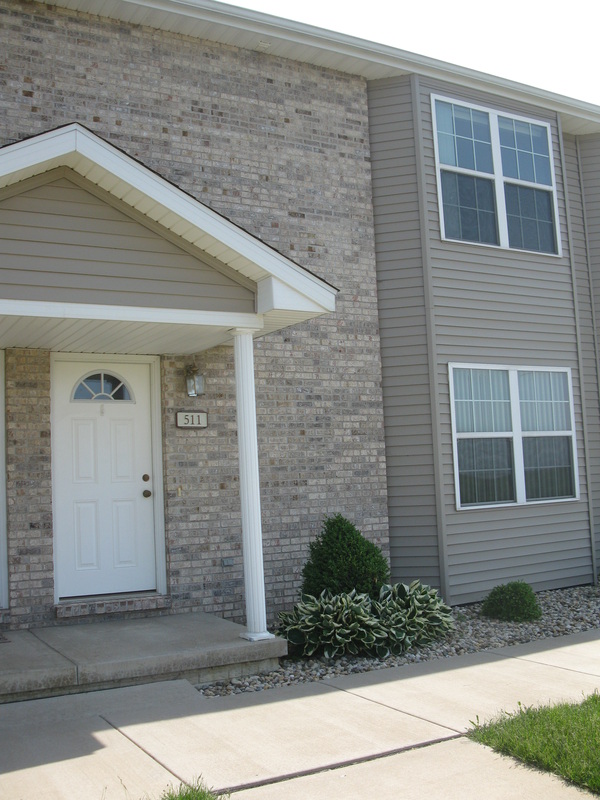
274, 295
80, 149
170, 316
37, 154
200, 216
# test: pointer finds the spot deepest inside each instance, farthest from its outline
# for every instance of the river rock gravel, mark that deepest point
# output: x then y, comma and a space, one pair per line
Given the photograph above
564, 611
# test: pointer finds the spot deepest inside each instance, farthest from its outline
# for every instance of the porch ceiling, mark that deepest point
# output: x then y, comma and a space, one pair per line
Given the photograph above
75, 328
79, 328
286, 293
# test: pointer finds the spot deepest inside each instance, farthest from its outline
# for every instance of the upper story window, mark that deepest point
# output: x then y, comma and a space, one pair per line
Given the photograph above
513, 433
495, 178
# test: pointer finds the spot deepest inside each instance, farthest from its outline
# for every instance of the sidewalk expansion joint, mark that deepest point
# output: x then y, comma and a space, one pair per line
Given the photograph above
143, 750
532, 660
394, 708
337, 765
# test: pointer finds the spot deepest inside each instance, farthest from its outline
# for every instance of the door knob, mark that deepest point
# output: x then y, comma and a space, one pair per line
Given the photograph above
145, 477
147, 493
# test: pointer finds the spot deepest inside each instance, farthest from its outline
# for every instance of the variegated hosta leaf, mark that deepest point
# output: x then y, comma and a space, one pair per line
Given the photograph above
403, 617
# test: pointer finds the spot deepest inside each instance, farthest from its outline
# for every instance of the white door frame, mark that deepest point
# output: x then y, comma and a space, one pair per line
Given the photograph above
156, 435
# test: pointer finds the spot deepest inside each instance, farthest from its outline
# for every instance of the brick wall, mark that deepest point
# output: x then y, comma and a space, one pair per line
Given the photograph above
29, 486
281, 149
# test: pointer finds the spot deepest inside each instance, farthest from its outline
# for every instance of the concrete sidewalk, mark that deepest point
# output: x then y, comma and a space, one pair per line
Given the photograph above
383, 734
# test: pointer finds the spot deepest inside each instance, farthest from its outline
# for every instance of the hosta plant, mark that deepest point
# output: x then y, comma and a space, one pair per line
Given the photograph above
412, 615
352, 623
332, 624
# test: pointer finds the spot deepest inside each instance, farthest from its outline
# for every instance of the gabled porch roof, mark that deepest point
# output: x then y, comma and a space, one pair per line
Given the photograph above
285, 293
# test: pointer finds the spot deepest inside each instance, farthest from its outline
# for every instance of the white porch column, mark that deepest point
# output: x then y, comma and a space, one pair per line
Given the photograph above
254, 577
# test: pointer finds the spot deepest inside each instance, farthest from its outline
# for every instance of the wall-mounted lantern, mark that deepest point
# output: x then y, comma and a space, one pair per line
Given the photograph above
194, 382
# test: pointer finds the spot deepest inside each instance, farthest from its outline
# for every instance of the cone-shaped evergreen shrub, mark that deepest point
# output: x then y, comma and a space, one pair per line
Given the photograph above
341, 559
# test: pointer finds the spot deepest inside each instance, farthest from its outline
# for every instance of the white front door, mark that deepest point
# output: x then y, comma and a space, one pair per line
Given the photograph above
102, 478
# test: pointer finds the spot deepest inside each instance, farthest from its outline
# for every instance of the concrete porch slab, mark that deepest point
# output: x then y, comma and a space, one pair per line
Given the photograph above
112, 653
29, 665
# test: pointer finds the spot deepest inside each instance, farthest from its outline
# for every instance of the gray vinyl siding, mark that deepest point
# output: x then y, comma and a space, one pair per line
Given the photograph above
59, 242
588, 151
403, 332
587, 335
496, 306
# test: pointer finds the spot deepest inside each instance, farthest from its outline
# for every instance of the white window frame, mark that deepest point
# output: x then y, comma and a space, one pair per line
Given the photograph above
497, 177
516, 435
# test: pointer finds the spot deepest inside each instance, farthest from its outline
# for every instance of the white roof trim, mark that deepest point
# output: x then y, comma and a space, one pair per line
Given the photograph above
252, 30
168, 316
98, 161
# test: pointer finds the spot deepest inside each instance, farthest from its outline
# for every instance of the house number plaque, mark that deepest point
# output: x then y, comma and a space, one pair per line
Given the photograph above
192, 419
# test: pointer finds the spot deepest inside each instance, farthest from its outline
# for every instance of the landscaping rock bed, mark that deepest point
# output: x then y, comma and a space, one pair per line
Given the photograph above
564, 611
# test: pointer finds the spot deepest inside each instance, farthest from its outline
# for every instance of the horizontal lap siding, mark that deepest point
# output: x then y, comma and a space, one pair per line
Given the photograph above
59, 242
503, 307
403, 331
589, 161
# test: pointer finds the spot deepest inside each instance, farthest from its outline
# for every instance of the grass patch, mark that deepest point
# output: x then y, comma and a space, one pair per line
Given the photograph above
562, 739
196, 791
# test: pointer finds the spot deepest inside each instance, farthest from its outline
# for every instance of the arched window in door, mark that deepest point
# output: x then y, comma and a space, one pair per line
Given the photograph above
103, 387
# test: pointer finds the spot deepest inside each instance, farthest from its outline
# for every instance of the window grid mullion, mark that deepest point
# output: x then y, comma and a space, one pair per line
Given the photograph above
517, 436
524, 239
513, 379
502, 220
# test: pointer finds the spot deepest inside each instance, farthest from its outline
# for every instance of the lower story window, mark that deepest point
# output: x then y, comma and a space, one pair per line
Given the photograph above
513, 435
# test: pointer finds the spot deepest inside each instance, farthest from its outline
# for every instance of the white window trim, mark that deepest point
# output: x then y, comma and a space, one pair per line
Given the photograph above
497, 177
516, 435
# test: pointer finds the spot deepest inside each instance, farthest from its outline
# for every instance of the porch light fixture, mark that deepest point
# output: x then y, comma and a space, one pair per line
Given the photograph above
194, 382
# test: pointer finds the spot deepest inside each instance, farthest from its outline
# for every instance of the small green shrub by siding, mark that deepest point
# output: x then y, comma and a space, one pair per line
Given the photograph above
512, 602
342, 560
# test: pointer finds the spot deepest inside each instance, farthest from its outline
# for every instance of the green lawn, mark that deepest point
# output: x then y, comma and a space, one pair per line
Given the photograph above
563, 739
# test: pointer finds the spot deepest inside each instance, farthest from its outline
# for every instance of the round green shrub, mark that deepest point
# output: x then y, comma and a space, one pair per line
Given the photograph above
341, 559
512, 602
